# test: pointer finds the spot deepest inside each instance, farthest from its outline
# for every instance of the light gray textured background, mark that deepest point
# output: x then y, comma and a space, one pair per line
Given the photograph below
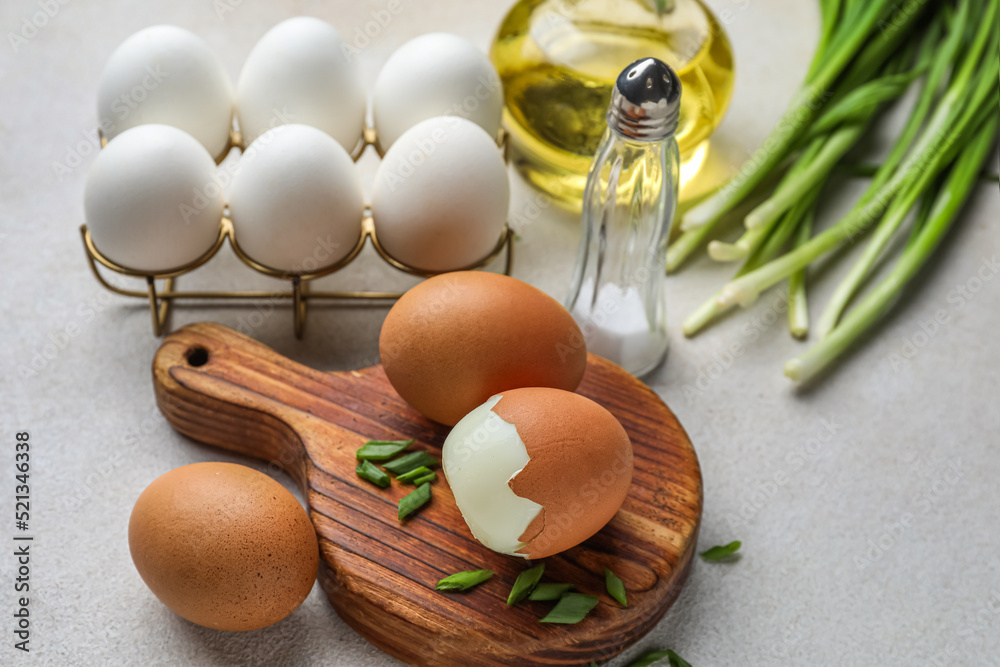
867, 551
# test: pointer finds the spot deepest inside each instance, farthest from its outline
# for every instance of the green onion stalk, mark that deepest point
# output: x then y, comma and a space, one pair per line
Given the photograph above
854, 26
947, 203
970, 94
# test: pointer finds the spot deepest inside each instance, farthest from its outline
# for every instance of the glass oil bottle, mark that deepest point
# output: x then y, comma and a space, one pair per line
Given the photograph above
559, 59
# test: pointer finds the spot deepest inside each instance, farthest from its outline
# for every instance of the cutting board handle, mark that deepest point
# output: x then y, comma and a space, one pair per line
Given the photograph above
222, 388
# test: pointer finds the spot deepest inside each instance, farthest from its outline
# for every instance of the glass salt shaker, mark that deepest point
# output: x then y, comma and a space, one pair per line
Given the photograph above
617, 294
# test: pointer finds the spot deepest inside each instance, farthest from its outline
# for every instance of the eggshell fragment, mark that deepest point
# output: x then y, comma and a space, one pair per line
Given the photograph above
456, 339
223, 546
579, 465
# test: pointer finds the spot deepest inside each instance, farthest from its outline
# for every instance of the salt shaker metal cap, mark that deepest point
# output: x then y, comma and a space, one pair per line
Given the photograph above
646, 101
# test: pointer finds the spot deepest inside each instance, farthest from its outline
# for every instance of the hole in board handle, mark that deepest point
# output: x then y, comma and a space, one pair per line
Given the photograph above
197, 356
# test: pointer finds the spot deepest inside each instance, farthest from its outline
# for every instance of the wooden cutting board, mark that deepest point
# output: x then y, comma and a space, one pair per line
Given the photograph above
225, 389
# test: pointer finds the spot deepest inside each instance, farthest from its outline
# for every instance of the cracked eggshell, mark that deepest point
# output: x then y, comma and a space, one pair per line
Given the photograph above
547, 483
300, 72
152, 199
456, 339
165, 74
224, 546
296, 201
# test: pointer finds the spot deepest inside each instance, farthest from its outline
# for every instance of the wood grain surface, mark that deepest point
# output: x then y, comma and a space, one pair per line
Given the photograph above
225, 389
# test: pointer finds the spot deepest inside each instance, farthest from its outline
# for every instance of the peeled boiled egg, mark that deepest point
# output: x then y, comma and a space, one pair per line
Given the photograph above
152, 199
165, 74
300, 72
536, 471
296, 201
223, 546
437, 74
456, 339
440, 197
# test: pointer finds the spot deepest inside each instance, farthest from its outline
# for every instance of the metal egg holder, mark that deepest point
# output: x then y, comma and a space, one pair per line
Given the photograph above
161, 301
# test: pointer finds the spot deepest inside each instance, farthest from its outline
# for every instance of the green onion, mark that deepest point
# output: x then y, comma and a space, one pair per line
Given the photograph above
571, 608
414, 500
548, 592
800, 214
405, 464
369, 471
616, 588
949, 200
654, 656
408, 477
723, 551
525, 583
426, 479
947, 129
844, 47
932, 166
463, 581
382, 450
798, 309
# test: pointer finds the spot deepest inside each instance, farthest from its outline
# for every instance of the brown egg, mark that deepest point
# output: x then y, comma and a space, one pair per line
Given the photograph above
223, 546
536, 471
456, 339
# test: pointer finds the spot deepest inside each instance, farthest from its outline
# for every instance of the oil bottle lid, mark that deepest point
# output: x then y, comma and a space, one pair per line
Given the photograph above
646, 101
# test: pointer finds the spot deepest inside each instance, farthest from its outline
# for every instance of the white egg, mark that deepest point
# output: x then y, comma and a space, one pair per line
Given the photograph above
165, 74
152, 200
437, 74
296, 201
440, 196
299, 72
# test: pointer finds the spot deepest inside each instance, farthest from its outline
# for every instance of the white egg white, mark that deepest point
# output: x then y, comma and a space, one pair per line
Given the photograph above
480, 456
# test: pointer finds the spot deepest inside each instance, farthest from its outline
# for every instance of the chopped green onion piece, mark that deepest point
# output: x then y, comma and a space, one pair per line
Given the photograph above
549, 592
525, 583
463, 581
382, 450
616, 588
722, 551
426, 479
653, 656
369, 471
405, 464
571, 608
416, 473
414, 500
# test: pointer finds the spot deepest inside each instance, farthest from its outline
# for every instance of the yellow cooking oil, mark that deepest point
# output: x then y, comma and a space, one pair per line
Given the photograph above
558, 61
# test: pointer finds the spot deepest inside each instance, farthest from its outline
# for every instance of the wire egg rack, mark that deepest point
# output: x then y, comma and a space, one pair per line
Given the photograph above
300, 294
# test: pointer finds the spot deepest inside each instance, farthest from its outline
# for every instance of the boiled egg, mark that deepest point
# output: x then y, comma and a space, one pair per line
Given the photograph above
223, 545
454, 340
296, 201
165, 74
441, 194
300, 72
437, 74
536, 471
152, 199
